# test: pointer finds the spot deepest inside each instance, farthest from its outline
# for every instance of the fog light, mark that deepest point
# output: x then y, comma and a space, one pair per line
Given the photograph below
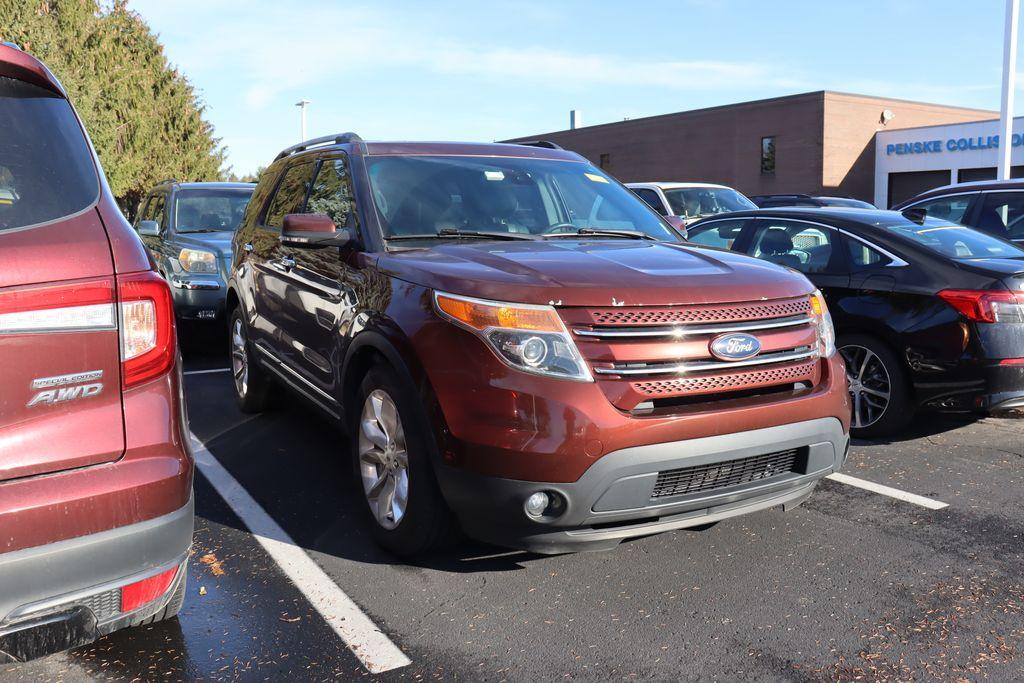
537, 504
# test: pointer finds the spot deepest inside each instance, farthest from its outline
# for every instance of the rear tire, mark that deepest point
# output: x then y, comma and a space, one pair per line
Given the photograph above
252, 384
879, 391
392, 448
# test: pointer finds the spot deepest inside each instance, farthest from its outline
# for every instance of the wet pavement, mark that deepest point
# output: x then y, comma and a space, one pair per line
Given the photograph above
851, 585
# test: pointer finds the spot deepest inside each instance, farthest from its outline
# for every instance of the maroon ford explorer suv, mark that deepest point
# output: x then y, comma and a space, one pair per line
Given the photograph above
519, 344
95, 470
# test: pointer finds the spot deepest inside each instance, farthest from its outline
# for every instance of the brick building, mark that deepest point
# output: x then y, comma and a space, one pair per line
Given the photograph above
817, 143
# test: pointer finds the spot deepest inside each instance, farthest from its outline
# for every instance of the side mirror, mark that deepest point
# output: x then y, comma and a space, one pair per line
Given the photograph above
148, 228
679, 225
312, 230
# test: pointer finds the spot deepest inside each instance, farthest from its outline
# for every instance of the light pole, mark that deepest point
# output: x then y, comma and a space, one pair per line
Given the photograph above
302, 104
1009, 84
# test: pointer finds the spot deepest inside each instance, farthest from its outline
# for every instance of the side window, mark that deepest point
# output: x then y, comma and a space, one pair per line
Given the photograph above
155, 208
143, 214
333, 194
801, 246
1002, 215
950, 209
721, 234
863, 256
290, 195
651, 198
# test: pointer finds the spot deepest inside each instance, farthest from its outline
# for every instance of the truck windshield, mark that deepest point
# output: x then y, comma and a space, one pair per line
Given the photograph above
691, 202
210, 210
444, 196
46, 168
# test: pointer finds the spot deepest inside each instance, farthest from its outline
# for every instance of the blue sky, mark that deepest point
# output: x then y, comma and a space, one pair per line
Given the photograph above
492, 70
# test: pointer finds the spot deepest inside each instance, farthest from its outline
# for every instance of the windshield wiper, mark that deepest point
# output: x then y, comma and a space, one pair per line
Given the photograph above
203, 230
605, 232
455, 232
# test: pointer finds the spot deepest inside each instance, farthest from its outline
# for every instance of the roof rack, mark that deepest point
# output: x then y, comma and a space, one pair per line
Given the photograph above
316, 142
546, 144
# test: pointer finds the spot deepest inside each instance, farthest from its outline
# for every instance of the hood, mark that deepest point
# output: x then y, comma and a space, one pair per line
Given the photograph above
217, 242
615, 272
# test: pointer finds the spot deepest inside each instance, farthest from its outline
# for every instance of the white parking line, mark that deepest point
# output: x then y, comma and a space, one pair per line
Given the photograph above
373, 648
923, 501
206, 372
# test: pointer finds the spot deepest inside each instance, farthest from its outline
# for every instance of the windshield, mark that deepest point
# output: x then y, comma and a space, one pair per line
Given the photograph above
431, 195
956, 241
210, 210
846, 202
46, 168
690, 202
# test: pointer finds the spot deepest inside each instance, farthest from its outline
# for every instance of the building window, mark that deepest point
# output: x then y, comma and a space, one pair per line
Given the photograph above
768, 155
605, 162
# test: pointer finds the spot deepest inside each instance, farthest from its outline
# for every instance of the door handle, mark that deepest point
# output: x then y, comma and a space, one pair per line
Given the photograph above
248, 247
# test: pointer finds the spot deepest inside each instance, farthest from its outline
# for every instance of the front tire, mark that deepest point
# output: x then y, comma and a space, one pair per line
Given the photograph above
879, 391
252, 383
392, 448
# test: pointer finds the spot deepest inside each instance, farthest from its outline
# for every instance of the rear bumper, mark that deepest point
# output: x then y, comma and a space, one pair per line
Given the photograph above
980, 386
613, 499
66, 594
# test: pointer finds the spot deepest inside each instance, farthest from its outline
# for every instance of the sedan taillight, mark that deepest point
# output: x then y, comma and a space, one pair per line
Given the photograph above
147, 327
986, 306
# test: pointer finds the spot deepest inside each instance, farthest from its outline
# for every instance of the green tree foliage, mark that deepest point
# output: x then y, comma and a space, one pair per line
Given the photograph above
143, 116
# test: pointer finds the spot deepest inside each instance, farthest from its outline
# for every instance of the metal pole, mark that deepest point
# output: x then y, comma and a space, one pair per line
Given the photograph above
301, 104
1009, 83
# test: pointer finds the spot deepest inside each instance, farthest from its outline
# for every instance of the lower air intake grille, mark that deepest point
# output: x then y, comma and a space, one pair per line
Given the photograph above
724, 474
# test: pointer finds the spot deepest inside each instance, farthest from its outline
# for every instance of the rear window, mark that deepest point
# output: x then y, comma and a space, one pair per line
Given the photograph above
956, 241
46, 168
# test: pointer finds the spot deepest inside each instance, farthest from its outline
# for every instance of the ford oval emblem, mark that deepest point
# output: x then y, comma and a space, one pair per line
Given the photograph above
735, 346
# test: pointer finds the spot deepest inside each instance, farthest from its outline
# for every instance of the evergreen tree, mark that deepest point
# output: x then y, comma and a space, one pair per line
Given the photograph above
143, 116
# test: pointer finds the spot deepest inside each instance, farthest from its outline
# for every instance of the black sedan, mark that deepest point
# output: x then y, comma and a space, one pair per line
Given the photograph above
928, 313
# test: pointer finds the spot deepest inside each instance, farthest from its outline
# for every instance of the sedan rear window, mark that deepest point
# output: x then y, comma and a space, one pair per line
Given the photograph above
956, 241
46, 167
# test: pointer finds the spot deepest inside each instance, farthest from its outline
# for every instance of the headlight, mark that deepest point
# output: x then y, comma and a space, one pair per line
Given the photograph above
529, 338
197, 261
823, 322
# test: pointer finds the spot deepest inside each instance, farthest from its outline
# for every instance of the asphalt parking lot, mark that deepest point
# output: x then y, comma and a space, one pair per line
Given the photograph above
852, 585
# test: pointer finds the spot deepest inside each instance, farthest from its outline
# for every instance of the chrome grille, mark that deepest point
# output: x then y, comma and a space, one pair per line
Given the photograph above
706, 384
700, 314
701, 478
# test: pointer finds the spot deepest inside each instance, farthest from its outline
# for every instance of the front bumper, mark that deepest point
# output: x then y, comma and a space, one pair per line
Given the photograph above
613, 500
66, 594
198, 297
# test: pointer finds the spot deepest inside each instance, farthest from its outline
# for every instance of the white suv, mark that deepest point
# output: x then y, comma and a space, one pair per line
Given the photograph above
691, 201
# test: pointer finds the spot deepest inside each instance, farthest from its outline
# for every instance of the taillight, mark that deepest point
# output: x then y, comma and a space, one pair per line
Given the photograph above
986, 306
64, 307
147, 327
135, 595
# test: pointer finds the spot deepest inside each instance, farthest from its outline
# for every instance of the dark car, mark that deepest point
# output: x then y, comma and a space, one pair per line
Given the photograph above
992, 206
188, 228
771, 201
928, 313
95, 469
515, 340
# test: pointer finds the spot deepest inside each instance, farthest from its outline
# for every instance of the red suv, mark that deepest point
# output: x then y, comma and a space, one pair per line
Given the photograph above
517, 342
95, 471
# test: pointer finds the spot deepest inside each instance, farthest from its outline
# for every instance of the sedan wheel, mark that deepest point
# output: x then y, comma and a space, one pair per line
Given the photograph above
383, 459
870, 384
